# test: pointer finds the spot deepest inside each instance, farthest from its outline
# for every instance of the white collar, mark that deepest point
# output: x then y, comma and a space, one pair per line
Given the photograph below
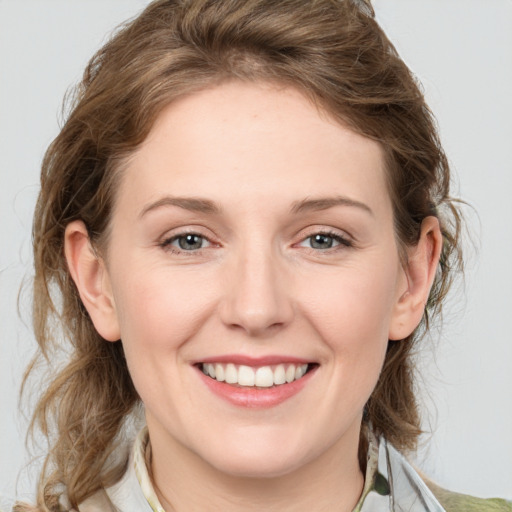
391, 483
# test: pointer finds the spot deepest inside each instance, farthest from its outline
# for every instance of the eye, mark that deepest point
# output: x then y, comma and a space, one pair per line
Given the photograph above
324, 241
187, 242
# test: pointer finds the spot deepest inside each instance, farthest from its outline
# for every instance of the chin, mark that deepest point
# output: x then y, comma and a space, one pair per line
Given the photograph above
264, 459
257, 467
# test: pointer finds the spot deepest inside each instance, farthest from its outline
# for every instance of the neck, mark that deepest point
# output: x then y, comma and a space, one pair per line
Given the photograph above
186, 483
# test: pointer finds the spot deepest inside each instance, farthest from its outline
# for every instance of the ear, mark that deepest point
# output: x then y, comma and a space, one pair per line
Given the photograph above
420, 270
91, 278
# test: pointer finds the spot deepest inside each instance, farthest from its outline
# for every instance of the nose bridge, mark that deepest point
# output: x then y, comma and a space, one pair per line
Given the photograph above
257, 297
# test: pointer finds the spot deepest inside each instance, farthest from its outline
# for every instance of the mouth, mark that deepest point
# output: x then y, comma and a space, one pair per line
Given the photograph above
256, 382
263, 377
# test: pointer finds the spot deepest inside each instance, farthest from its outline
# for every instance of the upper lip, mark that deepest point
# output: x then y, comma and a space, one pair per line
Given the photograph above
240, 359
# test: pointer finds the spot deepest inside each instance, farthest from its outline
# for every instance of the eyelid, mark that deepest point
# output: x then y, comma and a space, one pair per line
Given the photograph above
171, 240
169, 237
344, 240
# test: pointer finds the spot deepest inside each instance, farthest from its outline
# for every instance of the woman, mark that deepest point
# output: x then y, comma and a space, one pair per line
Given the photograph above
239, 227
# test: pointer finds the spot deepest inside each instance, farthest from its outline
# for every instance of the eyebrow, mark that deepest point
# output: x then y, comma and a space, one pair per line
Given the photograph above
206, 206
187, 203
323, 203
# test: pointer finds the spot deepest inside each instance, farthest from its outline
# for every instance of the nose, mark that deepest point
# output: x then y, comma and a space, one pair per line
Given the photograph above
257, 298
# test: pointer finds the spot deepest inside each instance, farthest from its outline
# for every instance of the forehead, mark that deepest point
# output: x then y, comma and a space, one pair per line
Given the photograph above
253, 143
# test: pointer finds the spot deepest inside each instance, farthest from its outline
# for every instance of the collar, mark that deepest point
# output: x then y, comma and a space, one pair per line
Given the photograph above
391, 483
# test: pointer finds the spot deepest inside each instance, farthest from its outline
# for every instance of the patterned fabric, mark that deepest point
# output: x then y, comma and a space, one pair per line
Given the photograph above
391, 484
140, 464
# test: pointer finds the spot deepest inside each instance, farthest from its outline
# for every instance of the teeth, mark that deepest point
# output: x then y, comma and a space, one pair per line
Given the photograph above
219, 373
246, 376
279, 375
263, 376
299, 372
290, 373
231, 374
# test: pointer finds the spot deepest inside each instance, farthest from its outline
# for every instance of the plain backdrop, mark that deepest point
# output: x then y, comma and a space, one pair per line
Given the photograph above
461, 50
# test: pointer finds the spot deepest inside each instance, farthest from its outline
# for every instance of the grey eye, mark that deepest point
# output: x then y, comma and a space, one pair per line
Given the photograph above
321, 241
190, 242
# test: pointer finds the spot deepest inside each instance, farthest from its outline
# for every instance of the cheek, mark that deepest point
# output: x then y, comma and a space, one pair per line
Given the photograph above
159, 310
351, 314
352, 308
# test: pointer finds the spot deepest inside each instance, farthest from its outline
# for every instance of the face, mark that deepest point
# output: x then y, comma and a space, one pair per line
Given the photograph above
252, 240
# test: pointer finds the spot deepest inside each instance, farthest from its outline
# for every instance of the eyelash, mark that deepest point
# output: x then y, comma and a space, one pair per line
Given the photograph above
167, 243
342, 242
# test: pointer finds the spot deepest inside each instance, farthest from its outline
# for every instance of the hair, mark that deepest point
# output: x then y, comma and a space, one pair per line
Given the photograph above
335, 53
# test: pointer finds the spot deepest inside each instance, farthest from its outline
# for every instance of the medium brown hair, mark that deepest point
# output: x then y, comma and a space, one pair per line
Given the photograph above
335, 53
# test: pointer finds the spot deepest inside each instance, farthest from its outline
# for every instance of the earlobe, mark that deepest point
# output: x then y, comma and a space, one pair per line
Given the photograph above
420, 271
91, 278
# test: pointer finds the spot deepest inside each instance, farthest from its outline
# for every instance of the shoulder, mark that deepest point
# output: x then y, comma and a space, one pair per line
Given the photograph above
407, 484
456, 502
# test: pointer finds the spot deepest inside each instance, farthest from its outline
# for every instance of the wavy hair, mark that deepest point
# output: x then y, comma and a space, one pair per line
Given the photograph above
337, 55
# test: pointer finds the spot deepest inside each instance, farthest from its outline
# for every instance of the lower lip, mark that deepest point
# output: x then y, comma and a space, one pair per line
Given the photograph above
253, 397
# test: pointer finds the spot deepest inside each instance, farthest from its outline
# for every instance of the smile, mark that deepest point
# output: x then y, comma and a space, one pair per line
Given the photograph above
260, 377
255, 384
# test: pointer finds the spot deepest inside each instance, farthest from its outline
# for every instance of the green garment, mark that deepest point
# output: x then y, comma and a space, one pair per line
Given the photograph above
391, 484
455, 502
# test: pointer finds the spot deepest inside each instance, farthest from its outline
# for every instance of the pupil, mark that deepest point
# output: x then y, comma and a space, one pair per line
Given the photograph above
188, 242
321, 242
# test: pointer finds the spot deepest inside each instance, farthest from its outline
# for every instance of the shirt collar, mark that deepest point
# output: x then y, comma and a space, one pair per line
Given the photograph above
390, 481
141, 451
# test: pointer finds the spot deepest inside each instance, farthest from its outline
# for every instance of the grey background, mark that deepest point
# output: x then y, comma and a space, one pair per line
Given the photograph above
461, 50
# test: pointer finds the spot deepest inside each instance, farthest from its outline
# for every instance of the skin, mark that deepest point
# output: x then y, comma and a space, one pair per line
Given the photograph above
257, 287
